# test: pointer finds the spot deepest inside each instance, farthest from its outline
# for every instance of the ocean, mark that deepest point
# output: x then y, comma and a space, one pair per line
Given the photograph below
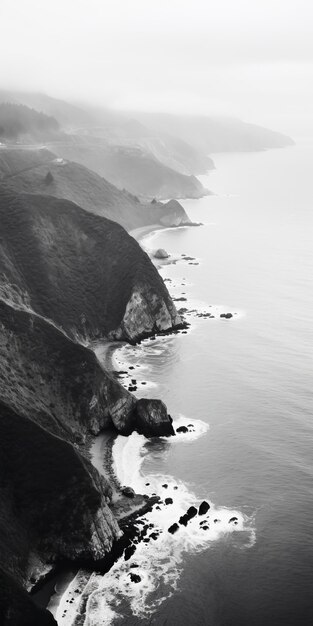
245, 386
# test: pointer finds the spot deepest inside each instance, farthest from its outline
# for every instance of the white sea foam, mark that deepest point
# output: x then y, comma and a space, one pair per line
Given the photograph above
158, 562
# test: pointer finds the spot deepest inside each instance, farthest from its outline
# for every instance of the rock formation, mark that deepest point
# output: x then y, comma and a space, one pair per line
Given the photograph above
83, 272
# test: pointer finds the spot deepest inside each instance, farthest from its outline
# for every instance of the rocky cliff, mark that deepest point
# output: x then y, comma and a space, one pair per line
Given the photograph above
66, 277
82, 271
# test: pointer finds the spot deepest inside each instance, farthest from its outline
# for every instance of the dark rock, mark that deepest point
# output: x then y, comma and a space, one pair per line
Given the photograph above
154, 536
128, 492
205, 527
129, 552
204, 507
233, 519
165, 486
184, 519
182, 429
135, 578
161, 254
173, 529
152, 419
226, 315
217, 521
192, 512
168, 500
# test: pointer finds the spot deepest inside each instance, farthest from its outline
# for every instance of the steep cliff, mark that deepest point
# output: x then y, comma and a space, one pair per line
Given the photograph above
51, 507
80, 270
54, 503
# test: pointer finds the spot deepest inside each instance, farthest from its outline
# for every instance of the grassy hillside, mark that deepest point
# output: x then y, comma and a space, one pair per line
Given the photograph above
39, 172
19, 121
78, 269
131, 168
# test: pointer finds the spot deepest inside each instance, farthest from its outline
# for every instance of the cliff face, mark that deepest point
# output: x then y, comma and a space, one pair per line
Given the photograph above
54, 504
79, 270
51, 507
56, 381
27, 170
67, 276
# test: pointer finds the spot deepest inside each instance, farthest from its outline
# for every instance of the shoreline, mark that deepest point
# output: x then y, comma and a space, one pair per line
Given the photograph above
99, 450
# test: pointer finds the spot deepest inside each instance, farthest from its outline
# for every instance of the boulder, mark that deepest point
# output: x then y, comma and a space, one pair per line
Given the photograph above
192, 512
128, 492
151, 419
173, 529
135, 578
129, 552
182, 429
168, 500
204, 507
161, 254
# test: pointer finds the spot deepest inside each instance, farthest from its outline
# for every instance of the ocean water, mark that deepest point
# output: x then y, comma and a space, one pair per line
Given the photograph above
245, 385
250, 380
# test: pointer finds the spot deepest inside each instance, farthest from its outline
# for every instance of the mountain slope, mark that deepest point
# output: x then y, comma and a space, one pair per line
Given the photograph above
215, 134
131, 168
20, 122
40, 172
80, 270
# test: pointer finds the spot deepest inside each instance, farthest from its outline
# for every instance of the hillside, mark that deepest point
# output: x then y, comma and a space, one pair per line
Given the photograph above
20, 122
131, 168
49, 249
61, 266
210, 134
38, 171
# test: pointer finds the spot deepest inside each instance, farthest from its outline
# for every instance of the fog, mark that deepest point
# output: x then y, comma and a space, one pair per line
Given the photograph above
251, 59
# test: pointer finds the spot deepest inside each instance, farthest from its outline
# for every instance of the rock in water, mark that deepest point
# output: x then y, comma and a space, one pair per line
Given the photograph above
128, 492
192, 512
135, 578
173, 529
151, 418
204, 507
161, 254
129, 552
182, 429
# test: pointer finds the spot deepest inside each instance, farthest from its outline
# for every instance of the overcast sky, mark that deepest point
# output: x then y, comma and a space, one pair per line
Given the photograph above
249, 58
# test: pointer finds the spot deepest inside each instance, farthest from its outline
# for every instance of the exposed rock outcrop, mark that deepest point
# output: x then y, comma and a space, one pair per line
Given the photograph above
160, 253
83, 272
152, 418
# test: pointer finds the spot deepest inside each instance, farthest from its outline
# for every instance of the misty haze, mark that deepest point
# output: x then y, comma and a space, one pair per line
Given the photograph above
156, 313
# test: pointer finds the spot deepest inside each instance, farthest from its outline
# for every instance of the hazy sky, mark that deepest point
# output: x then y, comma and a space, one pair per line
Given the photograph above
249, 58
